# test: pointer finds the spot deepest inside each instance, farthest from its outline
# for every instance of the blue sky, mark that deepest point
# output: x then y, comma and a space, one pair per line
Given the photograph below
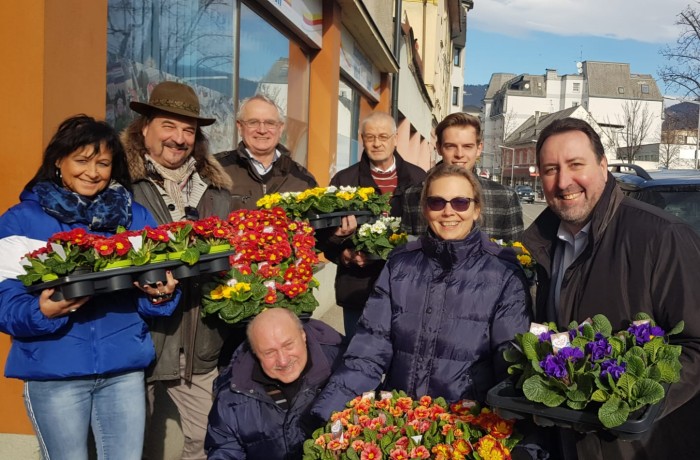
530, 36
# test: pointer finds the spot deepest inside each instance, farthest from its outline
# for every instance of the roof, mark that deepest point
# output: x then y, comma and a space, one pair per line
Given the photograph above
614, 80
533, 126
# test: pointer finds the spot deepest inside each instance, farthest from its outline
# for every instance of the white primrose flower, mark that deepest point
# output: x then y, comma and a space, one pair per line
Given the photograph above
331, 189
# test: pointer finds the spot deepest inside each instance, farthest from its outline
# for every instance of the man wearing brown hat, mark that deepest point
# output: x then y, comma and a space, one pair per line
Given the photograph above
176, 178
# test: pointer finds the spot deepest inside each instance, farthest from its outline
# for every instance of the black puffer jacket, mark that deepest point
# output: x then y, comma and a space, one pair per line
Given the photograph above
353, 284
638, 258
436, 323
246, 424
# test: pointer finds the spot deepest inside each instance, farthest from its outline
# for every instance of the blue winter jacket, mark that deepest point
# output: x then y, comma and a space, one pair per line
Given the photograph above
245, 423
436, 323
106, 335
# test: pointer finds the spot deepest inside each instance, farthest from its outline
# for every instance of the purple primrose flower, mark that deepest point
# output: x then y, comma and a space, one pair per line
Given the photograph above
554, 366
613, 368
643, 333
571, 353
545, 336
599, 348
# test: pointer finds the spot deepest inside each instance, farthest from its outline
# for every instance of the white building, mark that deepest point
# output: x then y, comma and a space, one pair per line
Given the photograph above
620, 102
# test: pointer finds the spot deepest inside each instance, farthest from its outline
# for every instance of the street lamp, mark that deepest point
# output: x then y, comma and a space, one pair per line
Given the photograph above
697, 134
512, 162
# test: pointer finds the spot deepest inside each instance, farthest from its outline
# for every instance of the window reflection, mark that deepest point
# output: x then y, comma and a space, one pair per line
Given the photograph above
149, 41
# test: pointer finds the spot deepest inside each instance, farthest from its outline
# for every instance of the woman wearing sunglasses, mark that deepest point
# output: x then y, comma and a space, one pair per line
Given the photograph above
442, 311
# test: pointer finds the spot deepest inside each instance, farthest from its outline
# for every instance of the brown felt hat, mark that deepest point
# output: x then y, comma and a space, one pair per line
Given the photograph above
172, 97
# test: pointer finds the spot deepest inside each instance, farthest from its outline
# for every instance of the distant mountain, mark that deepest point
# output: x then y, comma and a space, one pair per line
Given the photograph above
474, 95
682, 116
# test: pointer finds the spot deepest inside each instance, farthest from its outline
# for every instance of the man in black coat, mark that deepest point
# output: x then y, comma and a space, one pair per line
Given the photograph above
262, 399
599, 251
382, 168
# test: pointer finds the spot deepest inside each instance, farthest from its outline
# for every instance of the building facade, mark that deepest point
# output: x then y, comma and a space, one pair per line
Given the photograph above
328, 64
628, 107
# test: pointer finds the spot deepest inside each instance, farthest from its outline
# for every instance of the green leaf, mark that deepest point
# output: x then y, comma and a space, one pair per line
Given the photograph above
190, 256
647, 391
529, 345
577, 405
614, 412
625, 384
536, 389
677, 329
668, 370
602, 324
600, 396
512, 355
635, 366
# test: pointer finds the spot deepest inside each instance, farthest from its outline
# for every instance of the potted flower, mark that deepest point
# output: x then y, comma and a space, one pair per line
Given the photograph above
395, 426
180, 242
523, 255
588, 367
381, 237
64, 253
325, 205
112, 251
212, 235
149, 245
273, 267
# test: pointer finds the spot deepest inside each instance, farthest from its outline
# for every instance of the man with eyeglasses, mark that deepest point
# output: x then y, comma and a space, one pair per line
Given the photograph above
459, 143
261, 165
381, 167
176, 178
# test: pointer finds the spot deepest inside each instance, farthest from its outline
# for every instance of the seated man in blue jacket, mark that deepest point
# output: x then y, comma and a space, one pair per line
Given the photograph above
259, 408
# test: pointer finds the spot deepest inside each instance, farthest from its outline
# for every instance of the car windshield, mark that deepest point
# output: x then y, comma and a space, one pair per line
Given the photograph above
524, 188
682, 203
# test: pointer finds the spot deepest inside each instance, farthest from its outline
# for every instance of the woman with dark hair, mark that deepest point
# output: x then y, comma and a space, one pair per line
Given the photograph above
81, 359
442, 311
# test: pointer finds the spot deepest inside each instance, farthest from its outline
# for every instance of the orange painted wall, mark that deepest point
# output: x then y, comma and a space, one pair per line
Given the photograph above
54, 66
323, 100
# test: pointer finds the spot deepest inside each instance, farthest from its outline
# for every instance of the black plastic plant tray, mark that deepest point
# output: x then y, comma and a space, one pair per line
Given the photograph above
84, 284
511, 403
334, 219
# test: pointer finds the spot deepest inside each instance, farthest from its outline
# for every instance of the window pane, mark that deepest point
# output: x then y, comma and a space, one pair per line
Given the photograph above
273, 65
149, 41
348, 125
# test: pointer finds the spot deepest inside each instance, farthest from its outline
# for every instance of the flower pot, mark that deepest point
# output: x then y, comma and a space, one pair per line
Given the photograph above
219, 248
118, 264
509, 402
155, 258
334, 219
175, 255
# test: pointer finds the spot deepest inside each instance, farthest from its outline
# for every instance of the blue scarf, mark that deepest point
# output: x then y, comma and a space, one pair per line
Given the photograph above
105, 212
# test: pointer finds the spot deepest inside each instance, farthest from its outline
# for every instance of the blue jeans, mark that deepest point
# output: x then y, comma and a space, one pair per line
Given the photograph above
62, 412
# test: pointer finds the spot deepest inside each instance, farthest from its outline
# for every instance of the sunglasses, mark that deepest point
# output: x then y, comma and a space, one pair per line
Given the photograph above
459, 204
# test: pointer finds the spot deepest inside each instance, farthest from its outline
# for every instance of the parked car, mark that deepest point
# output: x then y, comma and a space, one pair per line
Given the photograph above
675, 191
525, 193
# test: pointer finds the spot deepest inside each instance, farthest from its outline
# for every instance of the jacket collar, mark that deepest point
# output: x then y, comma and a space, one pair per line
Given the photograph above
365, 172
449, 253
541, 237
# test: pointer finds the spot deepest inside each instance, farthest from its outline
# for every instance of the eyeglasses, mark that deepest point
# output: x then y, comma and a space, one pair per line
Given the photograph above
459, 204
255, 124
382, 137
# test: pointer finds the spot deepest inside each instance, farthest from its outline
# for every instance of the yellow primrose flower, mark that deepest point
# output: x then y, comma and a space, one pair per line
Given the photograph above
345, 195
365, 192
525, 260
221, 292
268, 201
241, 287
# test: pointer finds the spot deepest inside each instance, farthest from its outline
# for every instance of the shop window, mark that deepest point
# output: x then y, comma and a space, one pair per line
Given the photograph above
149, 41
348, 127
